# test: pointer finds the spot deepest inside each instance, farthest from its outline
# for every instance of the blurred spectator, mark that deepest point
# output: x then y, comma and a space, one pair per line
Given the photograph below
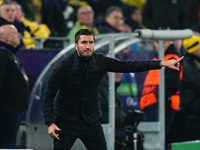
100, 6
113, 22
133, 17
85, 19
28, 8
7, 13
165, 14
138, 3
189, 121
149, 99
77, 3
7, 16
13, 85
58, 16
35, 29
179, 46
119, 111
128, 91
103, 90
127, 88
125, 122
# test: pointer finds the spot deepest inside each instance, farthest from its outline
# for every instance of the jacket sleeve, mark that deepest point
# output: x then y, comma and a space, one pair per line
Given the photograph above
114, 65
3, 67
50, 92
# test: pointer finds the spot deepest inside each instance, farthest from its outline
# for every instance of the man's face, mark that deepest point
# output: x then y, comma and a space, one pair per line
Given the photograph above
14, 37
137, 16
86, 16
8, 12
115, 19
85, 46
18, 12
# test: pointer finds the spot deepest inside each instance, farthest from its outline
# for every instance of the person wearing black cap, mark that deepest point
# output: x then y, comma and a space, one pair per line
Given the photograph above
189, 115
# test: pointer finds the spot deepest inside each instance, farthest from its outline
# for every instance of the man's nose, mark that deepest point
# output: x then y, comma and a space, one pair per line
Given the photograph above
10, 12
88, 45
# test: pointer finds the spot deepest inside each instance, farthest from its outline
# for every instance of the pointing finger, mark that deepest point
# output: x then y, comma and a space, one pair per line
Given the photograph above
180, 58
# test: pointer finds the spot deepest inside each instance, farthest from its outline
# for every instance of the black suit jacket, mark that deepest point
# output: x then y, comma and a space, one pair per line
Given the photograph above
14, 92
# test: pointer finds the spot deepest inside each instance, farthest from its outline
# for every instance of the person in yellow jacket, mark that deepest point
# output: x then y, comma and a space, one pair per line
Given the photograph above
35, 29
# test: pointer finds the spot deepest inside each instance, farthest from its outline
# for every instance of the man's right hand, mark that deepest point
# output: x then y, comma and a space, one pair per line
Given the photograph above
51, 131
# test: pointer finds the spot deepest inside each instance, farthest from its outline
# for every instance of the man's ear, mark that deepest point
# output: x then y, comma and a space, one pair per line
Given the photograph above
7, 39
75, 45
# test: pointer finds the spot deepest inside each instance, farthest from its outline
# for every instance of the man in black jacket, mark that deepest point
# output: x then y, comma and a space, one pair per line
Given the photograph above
13, 86
189, 115
76, 113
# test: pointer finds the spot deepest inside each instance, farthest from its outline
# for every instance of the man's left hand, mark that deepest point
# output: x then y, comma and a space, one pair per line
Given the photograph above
172, 63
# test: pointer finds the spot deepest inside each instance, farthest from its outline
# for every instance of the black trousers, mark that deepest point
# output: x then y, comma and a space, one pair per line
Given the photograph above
91, 135
9, 125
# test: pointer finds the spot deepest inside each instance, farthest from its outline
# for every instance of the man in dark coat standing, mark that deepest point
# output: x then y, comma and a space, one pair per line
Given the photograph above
189, 115
76, 111
13, 86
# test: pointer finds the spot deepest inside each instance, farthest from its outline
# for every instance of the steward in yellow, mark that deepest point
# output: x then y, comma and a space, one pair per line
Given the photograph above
33, 29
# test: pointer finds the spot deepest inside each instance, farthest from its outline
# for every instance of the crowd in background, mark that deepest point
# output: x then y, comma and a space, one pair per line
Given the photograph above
61, 15
58, 18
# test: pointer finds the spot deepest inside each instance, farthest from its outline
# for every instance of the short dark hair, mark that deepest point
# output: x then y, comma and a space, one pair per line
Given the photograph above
83, 32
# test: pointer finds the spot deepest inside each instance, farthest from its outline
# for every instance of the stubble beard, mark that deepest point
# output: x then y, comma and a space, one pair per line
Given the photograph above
83, 56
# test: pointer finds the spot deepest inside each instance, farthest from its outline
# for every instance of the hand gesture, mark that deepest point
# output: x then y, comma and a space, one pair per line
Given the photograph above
172, 63
51, 131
